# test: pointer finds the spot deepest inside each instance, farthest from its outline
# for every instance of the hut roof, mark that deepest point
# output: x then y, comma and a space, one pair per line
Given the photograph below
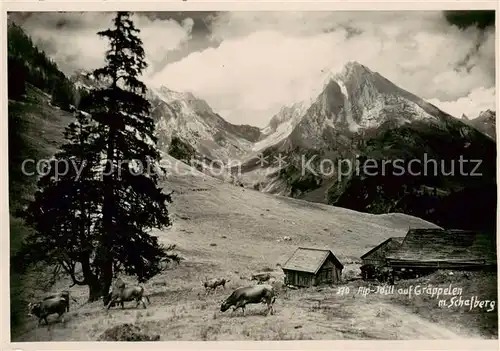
309, 260
397, 239
446, 245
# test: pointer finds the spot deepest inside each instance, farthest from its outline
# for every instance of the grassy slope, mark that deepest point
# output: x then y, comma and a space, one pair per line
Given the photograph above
223, 230
35, 129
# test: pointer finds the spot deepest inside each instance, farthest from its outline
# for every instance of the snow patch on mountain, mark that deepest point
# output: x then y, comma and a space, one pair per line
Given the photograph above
281, 133
281, 125
485, 122
352, 125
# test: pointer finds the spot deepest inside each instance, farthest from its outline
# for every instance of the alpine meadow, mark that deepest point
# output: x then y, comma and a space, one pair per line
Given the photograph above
252, 175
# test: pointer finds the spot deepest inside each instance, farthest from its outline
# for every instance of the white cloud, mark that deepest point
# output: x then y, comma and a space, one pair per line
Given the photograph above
268, 60
79, 46
161, 36
471, 105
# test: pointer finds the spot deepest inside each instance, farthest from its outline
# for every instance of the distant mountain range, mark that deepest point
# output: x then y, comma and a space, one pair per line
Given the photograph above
354, 103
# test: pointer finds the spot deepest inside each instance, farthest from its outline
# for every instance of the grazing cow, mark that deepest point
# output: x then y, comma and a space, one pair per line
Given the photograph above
213, 283
116, 288
130, 293
65, 295
43, 309
250, 294
261, 277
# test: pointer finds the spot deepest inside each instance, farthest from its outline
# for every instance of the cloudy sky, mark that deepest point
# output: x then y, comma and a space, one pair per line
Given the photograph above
248, 65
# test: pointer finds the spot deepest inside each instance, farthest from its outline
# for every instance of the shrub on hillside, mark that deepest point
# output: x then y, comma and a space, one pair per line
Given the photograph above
126, 332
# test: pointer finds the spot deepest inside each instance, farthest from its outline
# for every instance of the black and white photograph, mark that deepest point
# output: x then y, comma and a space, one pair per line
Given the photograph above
252, 175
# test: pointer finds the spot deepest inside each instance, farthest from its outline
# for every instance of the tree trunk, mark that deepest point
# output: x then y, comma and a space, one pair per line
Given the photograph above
108, 212
94, 291
90, 278
106, 276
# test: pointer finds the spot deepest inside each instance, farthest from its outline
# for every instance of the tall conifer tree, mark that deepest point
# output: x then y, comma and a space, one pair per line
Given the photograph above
102, 220
132, 201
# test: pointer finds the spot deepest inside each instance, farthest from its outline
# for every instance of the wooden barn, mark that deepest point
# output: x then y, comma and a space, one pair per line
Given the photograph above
377, 255
310, 267
445, 249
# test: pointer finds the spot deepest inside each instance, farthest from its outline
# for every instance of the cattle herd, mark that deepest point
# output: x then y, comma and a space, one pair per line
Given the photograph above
262, 292
119, 293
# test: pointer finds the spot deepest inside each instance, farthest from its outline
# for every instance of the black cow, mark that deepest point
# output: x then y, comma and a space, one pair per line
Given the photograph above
44, 308
64, 294
248, 295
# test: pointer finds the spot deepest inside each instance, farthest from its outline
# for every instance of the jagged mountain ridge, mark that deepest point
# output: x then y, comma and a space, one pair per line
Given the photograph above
192, 120
354, 100
355, 106
485, 122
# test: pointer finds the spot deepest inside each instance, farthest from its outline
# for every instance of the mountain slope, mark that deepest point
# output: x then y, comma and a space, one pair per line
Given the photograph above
280, 126
192, 120
38, 95
435, 186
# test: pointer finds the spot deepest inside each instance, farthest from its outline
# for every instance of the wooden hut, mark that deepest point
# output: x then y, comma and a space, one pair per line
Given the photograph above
310, 267
377, 255
445, 249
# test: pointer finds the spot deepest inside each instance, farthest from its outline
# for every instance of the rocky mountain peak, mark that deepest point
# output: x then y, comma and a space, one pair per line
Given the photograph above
487, 114
353, 69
